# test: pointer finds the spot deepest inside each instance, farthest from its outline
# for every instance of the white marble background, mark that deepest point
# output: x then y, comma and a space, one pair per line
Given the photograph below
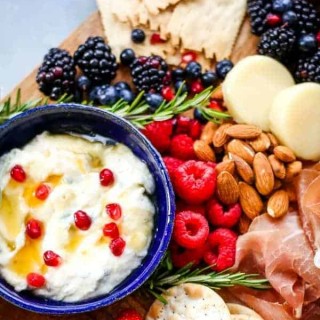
28, 28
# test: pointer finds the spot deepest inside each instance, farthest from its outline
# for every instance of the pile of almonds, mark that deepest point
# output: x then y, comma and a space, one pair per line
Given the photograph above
254, 169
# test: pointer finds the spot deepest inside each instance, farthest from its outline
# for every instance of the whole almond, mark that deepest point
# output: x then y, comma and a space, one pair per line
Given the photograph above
293, 169
284, 154
220, 137
273, 140
244, 224
241, 149
250, 200
260, 144
227, 188
243, 168
277, 166
208, 132
278, 204
203, 151
227, 165
244, 131
263, 173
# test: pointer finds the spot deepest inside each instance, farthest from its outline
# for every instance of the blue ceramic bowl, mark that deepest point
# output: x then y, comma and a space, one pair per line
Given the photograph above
89, 120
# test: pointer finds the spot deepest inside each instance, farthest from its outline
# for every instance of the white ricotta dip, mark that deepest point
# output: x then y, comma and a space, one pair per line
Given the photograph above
70, 167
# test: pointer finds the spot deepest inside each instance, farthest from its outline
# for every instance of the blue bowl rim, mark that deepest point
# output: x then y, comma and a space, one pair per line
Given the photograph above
102, 301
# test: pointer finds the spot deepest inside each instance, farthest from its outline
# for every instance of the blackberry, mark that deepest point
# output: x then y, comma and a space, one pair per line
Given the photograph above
148, 73
308, 69
277, 43
96, 60
56, 74
258, 11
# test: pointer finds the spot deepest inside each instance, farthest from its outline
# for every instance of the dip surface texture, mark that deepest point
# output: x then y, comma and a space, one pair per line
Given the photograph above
69, 167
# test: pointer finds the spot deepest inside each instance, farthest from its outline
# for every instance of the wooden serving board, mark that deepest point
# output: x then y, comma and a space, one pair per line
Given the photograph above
245, 45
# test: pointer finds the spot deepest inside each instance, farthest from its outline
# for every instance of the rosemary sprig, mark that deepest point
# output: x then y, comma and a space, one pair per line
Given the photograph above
167, 276
137, 112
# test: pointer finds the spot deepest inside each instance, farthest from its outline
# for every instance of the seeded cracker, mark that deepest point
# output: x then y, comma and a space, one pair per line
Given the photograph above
154, 6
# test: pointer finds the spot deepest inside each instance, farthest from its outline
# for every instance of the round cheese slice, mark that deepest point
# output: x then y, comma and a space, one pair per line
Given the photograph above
295, 120
251, 86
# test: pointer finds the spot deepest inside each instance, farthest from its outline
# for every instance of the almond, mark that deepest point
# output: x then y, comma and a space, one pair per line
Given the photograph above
277, 166
244, 224
273, 140
241, 149
250, 200
203, 151
227, 188
284, 154
243, 168
220, 137
244, 131
263, 173
278, 204
277, 184
293, 169
208, 131
260, 144
226, 165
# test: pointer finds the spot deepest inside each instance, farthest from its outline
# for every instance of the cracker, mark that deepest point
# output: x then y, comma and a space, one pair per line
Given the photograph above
155, 6
189, 301
241, 312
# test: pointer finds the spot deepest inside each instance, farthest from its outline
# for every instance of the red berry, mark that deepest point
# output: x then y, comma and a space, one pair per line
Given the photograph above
195, 129
182, 147
82, 220
221, 251
190, 229
114, 211
129, 314
221, 216
167, 93
195, 181
35, 280
318, 38
181, 256
183, 124
156, 39
215, 105
106, 177
111, 230
51, 259
18, 174
273, 20
196, 208
196, 87
33, 229
117, 246
172, 164
189, 56
42, 191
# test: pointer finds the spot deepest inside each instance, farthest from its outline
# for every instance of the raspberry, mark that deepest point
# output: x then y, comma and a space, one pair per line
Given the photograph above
215, 105
221, 251
190, 229
195, 130
167, 93
181, 256
183, 124
129, 314
221, 216
159, 133
172, 164
35, 280
182, 147
195, 181
196, 86
182, 206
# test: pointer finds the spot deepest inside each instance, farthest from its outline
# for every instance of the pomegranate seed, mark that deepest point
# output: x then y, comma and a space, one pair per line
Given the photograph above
111, 230
33, 229
273, 20
106, 177
36, 280
196, 86
117, 246
167, 93
18, 174
51, 259
156, 39
42, 192
189, 56
82, 220
318, 38
215, 105
195, 129
114, 211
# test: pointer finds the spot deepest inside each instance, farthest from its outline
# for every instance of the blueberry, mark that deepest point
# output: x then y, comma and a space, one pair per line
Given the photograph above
178, 74
83, 83
198, 115
307, 43
122, 85
93, 95
180, 83
290, 17
127, 56
282, 5
209, 78
108, 96
126, 95
223, 67
154, 101
193, 70
138, 35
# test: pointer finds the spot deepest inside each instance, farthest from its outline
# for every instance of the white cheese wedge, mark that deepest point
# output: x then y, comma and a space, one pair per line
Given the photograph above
250, 87
295, 119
